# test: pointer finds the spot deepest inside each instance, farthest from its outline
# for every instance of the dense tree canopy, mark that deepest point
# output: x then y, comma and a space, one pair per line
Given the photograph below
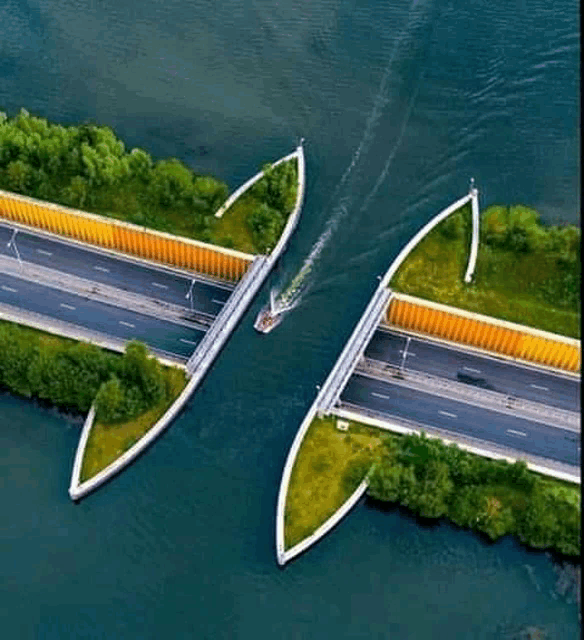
73, 375
491, 496
88, 167
276, 192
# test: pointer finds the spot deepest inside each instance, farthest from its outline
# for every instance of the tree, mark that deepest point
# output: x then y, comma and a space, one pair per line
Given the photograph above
494, 519
75, 194
538, 524
18, 174
494, 225
110, 401
144, 373
434, 488
265, 225
140, 164
171, 183
210, 191
453, 227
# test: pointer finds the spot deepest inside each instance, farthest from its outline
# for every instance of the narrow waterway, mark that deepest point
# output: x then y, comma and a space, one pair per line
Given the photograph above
401, 103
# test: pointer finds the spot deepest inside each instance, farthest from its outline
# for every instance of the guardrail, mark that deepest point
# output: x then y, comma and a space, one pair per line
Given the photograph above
484, 448
326, 397
65, 329
228, 317
354, 348
246, 185
425, 230
561, 418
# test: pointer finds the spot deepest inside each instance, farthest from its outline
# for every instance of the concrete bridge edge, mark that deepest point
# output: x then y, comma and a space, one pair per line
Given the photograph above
224, 326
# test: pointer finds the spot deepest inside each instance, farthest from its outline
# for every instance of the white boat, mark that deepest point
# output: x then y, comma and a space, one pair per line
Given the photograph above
268, 318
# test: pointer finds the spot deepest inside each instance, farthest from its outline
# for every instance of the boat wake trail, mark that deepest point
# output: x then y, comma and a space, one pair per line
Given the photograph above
285, 299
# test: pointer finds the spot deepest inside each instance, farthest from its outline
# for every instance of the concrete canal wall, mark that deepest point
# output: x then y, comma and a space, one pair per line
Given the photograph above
325, 400
341, 372
203, 356
246, 185
197, 367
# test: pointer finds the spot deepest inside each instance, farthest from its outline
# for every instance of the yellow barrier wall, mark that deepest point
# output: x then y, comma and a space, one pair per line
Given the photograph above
449, 323
217, 262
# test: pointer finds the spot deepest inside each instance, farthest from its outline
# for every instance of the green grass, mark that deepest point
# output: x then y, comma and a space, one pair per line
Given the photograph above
518, 287
41, 338
325, 474
330, 465
106, 443
231, 230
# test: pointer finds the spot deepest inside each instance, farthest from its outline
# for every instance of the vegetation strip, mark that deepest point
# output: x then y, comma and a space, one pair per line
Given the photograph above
87, 167
431, 479
544, 291
107, 442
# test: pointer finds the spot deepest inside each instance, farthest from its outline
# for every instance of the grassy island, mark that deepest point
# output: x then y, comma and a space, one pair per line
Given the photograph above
526, 272
329, 466
87, 167
433, 481
107, 441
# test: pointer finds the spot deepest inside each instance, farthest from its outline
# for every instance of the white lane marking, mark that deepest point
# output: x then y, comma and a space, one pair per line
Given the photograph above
67, 306
218, 301
517, 433
45, 253
101, 269
128, 324
160, 286
187, 341
8, 289
471, 369
380, 395
537, 386
409, 353
447, 413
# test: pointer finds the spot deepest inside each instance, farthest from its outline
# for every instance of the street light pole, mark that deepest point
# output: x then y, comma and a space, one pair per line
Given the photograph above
189, 295
12, 242
404, 355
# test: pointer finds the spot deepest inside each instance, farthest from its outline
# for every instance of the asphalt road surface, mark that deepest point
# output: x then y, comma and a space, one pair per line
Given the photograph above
500, 375
159, 334
86, 263
434, 411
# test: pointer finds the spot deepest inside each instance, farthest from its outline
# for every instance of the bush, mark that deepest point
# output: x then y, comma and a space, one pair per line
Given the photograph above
266, 225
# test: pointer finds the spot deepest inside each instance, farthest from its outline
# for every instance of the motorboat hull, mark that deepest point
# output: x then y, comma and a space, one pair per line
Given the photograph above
266, 320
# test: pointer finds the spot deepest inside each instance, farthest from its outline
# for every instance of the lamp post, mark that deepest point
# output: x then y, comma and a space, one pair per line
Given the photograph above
12, 243
404, 355
189, 295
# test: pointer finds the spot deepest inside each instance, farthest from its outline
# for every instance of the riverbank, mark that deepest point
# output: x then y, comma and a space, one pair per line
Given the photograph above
432, 480
526, 273
73, 375
87, 167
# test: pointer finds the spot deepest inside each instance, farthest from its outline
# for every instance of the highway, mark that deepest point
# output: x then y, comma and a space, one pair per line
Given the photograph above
160, 334
458, 417
156, 282
491, 373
